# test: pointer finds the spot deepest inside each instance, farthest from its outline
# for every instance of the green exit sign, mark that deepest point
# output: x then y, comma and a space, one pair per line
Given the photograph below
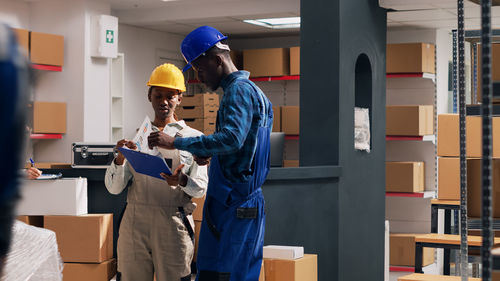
110, 36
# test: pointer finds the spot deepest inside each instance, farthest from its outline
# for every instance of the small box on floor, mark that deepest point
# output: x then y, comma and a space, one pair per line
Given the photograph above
87, 238
104, 271
303, 269
283, 252
404, 176
402, 251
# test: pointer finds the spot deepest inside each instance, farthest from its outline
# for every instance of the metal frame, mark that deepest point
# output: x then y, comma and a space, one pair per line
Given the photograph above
419, 247
485, 36
447, 229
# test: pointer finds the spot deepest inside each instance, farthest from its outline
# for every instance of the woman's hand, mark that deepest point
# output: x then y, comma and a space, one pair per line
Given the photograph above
177, 177
33, 173
121, 143
161, 139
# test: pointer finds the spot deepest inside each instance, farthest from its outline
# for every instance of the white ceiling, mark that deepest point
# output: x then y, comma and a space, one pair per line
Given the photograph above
182, 16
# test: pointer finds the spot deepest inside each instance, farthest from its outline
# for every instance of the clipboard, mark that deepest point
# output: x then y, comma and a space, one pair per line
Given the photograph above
145, 163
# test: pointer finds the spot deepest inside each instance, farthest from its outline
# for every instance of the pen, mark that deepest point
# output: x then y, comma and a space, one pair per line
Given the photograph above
32, 162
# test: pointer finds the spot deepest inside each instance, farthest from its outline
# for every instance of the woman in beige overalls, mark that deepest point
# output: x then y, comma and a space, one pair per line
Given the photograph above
154, 236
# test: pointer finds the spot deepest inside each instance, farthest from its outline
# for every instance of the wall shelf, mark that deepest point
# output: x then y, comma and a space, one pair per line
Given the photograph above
46, 136
47, 67
401, 269
425, 194
410, 138
412, 75
261, 79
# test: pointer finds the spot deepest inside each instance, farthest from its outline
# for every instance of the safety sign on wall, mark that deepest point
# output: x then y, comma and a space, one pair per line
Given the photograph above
104, 36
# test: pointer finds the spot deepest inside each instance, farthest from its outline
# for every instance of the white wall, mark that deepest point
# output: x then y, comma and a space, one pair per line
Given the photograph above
140, 47
66, 18
96, 84
15, 13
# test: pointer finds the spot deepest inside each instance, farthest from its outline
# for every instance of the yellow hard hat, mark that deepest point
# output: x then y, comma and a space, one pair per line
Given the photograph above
169, 76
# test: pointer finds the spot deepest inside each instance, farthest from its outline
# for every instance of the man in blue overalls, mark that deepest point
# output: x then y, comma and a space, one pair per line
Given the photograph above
232, 232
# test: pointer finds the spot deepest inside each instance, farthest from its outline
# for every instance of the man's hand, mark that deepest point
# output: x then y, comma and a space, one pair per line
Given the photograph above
124, 142
177, 177
161, 139
33, 173
202, 161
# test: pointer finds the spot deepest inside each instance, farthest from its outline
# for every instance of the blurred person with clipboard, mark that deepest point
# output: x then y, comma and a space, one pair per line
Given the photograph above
156, 232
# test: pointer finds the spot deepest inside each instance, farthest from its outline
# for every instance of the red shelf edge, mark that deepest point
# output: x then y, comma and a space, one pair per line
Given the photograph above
405, 194
401, 269
46, 136
260, 79
47, 67
395, 138
291, 137
404, 75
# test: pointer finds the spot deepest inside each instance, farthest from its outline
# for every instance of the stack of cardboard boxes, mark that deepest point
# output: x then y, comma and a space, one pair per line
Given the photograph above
283, 263
449, 162
408, 120
85, 241
200, 111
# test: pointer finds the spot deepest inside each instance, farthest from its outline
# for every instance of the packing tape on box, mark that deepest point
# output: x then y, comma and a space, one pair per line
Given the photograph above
362, 129
33, 255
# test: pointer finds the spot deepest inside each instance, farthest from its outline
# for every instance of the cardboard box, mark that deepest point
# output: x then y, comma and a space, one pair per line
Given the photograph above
290, 120
410, 58
449, 136
23, 39
47, 49
197, 230
31, 220
207, 99
283, 252
204, 125
199, 111
277, 119
290, 163
449, 178
295, 61
237, 58
495, 66
474, 188
303, 269
198, 212
402, 251
87, 238
66, 196
49, 117
267, 62
89, 271
409, 120
404, 177
262, 275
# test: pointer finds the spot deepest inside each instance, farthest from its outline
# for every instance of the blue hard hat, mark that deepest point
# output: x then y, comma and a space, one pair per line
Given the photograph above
199, 41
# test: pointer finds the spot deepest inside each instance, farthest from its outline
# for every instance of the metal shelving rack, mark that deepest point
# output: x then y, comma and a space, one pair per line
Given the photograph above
485, 36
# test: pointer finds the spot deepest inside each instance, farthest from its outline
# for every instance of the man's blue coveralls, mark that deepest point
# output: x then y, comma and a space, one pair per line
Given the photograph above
232, 231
